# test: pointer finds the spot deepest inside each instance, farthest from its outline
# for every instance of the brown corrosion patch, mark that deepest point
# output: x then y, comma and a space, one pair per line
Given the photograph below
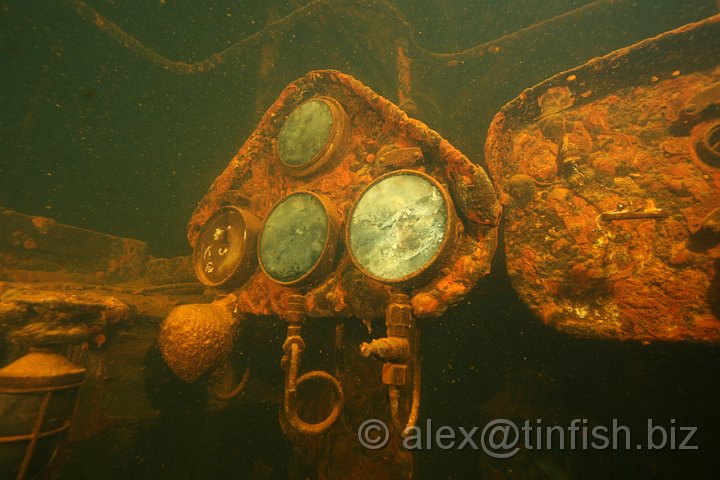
382, 138
195, 338
33, 315
611, 215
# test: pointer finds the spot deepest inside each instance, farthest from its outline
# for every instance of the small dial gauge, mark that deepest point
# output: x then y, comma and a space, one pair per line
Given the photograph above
225, 250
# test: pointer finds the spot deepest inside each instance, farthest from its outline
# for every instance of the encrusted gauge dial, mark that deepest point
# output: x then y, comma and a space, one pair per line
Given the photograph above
399, 226
314, 134
298, 239
225, 250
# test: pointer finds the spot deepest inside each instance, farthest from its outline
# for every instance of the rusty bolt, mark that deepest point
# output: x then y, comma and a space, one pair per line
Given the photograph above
394, 373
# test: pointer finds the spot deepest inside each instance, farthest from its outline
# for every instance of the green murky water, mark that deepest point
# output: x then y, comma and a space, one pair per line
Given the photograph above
94, 132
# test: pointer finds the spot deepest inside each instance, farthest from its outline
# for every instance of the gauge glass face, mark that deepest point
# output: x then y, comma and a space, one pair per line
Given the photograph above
293, 237
305, 133
220, 247
398, 226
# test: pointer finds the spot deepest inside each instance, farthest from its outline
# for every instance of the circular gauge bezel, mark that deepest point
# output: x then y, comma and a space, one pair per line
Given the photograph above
335, 147
429, 268
247, 262
327, 257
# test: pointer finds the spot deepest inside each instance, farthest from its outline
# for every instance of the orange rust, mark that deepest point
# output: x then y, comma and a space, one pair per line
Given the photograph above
375, 123
404, 80
43, 223
618, 158
424, 304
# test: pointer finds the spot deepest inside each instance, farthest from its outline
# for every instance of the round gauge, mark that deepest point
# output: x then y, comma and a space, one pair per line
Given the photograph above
399, 226
313, 134
298, 236
224, 254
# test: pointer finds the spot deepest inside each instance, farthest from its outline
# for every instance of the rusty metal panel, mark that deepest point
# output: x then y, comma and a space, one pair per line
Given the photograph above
382, 138
611, 191
40, 249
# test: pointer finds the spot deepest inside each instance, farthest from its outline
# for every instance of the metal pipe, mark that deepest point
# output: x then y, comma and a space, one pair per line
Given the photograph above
415, 408
394, 350
39, 420
293, 347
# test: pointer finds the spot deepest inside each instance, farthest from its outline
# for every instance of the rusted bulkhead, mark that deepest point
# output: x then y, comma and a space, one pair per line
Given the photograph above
611, 191
380, 139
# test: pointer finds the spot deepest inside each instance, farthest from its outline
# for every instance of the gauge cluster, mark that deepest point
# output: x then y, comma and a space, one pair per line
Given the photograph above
338, 195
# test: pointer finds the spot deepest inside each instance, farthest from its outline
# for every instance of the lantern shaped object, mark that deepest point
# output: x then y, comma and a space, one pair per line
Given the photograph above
38, 394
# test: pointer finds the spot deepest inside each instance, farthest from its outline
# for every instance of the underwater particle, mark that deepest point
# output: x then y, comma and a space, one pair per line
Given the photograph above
294, 237
398, 226
571, 79
305, 133
676, 73
88, 94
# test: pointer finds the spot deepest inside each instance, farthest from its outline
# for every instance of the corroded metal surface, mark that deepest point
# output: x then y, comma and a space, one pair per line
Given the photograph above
38, 396
40, 370
36, 249
425, 257
40, 249
378, 128
608, 207
34, 314
195, 338
71, 285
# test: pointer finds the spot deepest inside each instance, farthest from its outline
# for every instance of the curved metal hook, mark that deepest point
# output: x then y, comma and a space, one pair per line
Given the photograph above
234, 392
290, 405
